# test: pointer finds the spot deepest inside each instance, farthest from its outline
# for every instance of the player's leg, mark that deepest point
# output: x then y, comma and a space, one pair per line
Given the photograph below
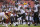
19, 20
5, 24
24, 16
16, 22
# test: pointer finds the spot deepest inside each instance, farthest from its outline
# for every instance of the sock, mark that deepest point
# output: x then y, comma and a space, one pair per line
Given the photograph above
28, 23
1, 23
24, 23
19, 21
6, 25
14, 24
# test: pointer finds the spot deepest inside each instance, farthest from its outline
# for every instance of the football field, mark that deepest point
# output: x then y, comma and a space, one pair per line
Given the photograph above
22, 26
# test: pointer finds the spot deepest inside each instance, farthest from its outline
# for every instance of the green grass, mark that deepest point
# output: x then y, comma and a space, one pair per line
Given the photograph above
22, 26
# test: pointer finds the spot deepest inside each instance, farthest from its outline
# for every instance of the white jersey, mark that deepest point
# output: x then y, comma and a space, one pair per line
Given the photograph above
22, 11
2, 14
36, 8
17, 9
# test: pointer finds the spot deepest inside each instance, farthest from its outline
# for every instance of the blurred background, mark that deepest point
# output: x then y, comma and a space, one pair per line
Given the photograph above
31, 8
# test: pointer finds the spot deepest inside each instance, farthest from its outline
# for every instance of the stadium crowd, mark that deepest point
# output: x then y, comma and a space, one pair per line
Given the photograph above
18, 14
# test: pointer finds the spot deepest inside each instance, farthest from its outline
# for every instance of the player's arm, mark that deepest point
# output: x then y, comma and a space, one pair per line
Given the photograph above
5, 16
